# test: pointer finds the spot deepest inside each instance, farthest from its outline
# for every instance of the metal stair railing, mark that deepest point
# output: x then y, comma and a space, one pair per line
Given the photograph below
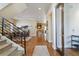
14, 33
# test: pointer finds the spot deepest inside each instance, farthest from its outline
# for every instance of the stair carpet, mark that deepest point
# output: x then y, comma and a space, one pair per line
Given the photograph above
6, 49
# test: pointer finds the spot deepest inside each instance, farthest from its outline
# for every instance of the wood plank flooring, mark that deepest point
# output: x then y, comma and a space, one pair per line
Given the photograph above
34, 41
71, 52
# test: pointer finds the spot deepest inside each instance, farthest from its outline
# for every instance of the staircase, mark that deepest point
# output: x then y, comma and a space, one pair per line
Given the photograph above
8, 48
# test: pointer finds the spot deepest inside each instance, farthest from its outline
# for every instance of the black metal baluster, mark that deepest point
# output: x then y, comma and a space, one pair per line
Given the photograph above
24, 43
3, 26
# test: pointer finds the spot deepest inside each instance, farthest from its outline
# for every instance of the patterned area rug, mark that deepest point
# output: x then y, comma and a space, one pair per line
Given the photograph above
40, 50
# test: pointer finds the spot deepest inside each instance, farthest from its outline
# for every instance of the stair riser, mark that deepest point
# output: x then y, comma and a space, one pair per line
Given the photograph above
3, 42
5, 48
13, 52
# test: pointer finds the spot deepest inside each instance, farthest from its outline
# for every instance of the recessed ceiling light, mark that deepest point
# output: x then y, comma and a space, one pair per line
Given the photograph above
39, 8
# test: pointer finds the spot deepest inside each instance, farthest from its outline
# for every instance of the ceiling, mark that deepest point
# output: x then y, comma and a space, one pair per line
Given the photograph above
25, 10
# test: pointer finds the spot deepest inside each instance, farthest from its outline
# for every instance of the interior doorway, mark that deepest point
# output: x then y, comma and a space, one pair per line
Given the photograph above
60, 28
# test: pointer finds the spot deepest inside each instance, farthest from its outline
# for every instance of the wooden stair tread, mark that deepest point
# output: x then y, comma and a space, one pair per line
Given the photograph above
8, 52
2, 42
17, 53
5, 45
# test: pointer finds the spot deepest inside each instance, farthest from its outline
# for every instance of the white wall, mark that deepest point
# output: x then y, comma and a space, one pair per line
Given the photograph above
50, 18
53, 26
58, 27
31, 23
49, 27
71, 20
51, 36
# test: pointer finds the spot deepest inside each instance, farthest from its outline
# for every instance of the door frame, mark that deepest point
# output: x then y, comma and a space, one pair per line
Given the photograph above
62, 29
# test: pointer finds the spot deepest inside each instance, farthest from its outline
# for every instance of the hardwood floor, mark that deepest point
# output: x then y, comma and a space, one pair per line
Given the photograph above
71, 52
34, 41
30, 45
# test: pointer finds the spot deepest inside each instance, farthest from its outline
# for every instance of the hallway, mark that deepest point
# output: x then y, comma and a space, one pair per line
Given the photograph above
40, 29
35, 41
26, 20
